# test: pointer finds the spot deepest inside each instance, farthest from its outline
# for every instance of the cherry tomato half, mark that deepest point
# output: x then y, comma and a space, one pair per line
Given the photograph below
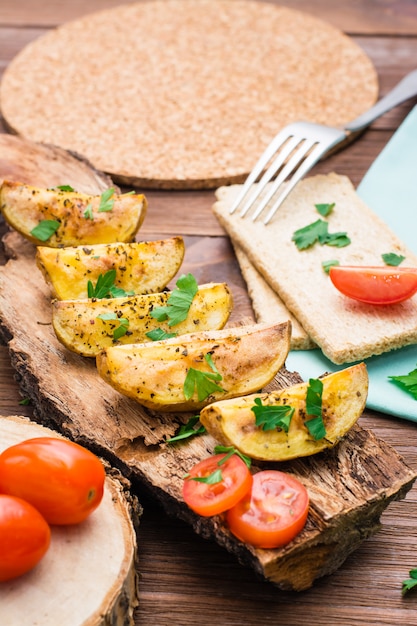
206, 498
375, 285
273, 513
61, 479
24, 537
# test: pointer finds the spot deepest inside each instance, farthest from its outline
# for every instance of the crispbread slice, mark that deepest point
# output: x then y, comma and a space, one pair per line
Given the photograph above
345, 330
267, 305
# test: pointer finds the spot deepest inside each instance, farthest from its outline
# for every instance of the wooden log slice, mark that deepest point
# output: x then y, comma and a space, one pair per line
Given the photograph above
349, 486
88, 576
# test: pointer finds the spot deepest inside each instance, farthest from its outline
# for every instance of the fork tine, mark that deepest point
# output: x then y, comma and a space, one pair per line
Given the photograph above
303, 148
275, 166
262, 162
314, 156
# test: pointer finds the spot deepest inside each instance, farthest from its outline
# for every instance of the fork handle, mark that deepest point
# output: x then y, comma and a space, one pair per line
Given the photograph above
406, 88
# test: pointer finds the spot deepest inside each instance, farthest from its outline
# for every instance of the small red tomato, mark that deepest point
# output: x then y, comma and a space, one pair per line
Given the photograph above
216, 484
375, 285
61, 479
24, 537
273, 513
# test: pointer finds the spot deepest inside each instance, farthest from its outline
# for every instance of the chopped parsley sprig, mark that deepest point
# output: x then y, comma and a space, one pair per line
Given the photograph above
178, 303
411, 582
205, 383
318, 231
315, 425
408, 382
188, 430
45, 229
272, 416
122, 325
105, 287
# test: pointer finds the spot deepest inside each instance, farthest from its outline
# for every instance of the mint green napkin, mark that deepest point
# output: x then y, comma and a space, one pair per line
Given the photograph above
389, 188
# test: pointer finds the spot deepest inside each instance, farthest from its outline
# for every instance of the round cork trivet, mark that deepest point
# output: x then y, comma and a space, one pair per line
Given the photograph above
183, 93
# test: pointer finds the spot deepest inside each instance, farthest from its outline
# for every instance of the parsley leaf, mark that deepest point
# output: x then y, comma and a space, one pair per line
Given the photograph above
179, 301
106, 200
188, 430
390, 258
88, 213
410, 582
315, 426
326, 265
105, 287
157, 334
212, 479
308, 235
203, 382
408, 382
325, 209
230, 450
274, 416
45, 229
338, 240
121, 328
64, 188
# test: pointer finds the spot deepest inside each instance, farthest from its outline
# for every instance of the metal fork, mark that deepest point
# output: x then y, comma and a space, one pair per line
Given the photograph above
298, 146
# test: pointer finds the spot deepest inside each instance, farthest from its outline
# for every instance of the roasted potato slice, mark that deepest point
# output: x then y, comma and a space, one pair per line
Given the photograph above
141, 267
55, 218
232, 422
78, 325
244, 359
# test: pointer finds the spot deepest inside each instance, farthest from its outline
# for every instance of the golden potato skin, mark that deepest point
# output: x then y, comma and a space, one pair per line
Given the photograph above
24, 207
141, 267
232, 422
78, 327
246, 357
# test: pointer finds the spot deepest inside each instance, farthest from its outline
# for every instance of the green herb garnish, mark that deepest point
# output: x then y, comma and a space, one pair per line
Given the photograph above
45, 229
203, 382
212, 479
318, 232
123, 324
179, 301
272, 417
230, 451
325, 209
326, 265
106, 200
408, 382
390, 258
64, 188
410, 582
315, 426
88, 213
157, 334
105, 287
188, 430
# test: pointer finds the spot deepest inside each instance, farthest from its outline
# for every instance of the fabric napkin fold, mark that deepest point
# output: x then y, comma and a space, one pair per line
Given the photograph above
389, 189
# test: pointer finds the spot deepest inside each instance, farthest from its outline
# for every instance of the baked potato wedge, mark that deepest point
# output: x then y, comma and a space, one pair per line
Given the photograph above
141, 267
56, 218
186, 373
88, 326
233, 422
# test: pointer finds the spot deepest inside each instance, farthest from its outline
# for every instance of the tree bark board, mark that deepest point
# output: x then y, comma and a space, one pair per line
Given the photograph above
88, 576
349, 485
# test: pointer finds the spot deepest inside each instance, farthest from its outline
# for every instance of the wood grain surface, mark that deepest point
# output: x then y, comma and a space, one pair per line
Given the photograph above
185, 580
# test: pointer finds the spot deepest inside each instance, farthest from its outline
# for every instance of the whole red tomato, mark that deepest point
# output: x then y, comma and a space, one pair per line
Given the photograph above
61, 479
24, 537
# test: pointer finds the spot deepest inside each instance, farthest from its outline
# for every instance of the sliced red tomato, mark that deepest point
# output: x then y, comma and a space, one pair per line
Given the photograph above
273, 513
216, 484
24, 537
375, 285
61, 479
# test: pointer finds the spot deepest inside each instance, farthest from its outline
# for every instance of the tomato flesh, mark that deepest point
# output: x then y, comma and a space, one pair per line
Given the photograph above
61, 479
273, 513
375, 285
212, 499
24, 537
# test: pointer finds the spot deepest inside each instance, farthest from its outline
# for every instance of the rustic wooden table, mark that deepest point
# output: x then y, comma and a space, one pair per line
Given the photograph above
185, 580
